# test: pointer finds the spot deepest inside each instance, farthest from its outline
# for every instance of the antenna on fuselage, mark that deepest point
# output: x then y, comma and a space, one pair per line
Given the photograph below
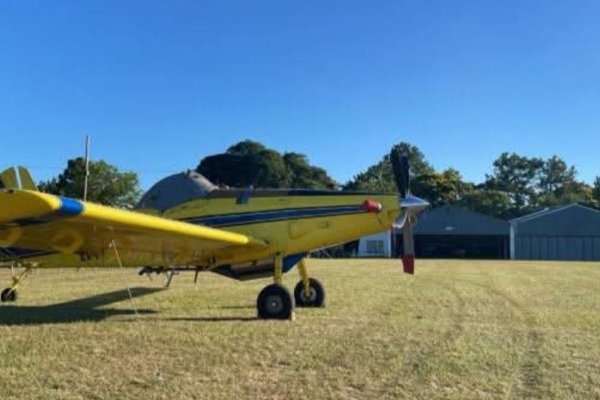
87, 167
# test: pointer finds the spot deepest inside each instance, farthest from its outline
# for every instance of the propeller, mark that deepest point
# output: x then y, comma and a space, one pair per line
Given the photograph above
401, 170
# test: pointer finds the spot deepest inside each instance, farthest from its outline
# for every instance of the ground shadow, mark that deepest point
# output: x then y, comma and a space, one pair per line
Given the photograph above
240, 307
84, 309
212, 319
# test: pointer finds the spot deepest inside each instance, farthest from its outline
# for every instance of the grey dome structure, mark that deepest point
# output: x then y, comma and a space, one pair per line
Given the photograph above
176, 189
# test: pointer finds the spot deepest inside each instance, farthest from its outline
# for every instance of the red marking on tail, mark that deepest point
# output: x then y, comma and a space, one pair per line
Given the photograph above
408, 262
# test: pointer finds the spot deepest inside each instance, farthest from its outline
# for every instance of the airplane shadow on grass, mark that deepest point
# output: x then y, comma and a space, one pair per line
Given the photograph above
84, 309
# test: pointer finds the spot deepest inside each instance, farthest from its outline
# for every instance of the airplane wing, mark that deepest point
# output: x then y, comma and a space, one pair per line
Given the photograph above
40, 221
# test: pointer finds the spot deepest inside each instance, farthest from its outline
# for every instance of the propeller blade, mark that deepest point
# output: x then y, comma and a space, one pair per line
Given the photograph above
401, 170
408, 257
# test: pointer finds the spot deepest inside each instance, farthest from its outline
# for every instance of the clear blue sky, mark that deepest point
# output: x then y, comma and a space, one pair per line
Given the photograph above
159, 85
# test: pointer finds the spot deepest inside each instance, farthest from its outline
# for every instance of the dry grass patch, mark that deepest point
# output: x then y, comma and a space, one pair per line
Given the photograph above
456, 330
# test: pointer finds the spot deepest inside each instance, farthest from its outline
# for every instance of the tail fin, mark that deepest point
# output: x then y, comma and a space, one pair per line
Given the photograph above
17, 178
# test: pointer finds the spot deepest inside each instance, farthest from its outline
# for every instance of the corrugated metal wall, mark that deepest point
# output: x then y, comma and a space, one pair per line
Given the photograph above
567, 233
557, 248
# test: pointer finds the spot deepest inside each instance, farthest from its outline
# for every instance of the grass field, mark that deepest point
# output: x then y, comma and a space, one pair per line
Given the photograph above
456, 330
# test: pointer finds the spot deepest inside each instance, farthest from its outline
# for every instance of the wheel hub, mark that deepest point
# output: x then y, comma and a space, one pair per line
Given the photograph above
310, 296
274, 304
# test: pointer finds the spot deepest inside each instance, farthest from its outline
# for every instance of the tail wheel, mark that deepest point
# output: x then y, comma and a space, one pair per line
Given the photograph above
315, 297
275, 302
8, 294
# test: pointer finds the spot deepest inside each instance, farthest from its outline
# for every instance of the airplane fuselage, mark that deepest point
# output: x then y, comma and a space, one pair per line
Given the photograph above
290, 221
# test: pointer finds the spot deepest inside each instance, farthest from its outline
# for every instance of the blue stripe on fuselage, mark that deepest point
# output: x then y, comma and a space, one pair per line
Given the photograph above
70, 207
274, 215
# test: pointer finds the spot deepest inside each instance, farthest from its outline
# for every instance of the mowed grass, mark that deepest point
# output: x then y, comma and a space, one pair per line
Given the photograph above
455, 330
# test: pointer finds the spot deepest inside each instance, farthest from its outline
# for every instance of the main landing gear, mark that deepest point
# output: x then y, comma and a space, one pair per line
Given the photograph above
276, 302
314, 296
11, 294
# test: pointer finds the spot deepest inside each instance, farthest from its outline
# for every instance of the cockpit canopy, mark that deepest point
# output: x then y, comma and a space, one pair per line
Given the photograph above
176, 189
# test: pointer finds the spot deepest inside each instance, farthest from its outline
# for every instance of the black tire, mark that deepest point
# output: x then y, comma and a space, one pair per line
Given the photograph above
8, 295
316, 297
275, 302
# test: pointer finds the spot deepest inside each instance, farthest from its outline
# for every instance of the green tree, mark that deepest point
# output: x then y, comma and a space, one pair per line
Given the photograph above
555, 174
570, 192
106, 184
558, 185
245, 164
250, 163
534, 183
304, 175
596, 190
489, 202
246, 148
441, 188
517, 177
380, 177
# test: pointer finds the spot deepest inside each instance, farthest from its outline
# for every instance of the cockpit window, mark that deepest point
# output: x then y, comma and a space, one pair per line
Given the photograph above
176, 189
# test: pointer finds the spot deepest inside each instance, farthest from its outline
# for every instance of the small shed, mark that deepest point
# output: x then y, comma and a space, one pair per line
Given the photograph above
453, 232
570, 232
377, 245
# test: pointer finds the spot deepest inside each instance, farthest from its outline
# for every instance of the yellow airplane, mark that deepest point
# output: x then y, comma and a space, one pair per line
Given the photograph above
242, 234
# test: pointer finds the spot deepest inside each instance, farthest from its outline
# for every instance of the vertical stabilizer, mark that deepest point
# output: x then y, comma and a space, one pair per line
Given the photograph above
26, 179
17, 178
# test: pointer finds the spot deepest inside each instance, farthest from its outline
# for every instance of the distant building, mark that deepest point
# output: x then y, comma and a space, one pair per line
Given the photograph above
571, 232
454, 232
377, 245
446, 232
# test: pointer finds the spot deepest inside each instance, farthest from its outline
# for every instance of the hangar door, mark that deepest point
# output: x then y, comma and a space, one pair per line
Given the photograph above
461, 246
582, 248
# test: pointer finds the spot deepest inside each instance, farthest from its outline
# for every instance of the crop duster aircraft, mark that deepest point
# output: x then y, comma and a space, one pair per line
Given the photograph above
185, 222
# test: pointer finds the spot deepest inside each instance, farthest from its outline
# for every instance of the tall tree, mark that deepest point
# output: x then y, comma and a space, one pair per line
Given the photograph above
250, 163
106, 184
441, 188
380, 177
558, 185
596, 190
246, 148
555, 174
516, 176
489, 202
245, 164
304, 175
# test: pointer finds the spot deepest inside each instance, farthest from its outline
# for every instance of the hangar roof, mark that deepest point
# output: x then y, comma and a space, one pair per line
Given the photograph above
454, 220
570, 220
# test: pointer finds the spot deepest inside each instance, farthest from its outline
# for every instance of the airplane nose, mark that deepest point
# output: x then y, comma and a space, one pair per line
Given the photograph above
413, 204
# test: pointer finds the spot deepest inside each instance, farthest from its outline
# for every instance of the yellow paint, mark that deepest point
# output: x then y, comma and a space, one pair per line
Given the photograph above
20, 204
139, 236
152, 238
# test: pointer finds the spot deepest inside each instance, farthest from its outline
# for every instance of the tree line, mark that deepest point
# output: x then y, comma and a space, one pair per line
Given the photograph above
517, 185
